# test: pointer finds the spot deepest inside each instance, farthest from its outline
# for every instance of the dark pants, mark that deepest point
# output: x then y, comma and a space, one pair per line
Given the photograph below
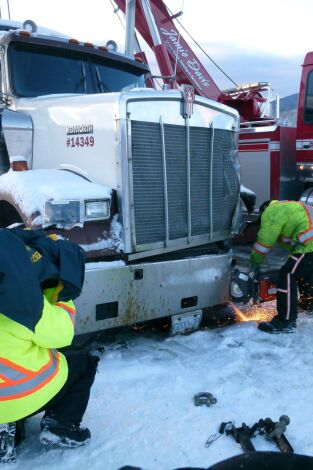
69, 405
297, 269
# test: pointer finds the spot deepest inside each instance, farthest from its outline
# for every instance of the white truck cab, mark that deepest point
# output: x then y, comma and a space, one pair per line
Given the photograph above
148, 190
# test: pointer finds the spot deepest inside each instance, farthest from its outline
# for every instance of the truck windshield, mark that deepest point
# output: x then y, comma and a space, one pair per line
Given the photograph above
37, 71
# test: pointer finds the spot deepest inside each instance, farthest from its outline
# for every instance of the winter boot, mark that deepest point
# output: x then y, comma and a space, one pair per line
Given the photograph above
7, 442
277, 325
20, 432
56, 433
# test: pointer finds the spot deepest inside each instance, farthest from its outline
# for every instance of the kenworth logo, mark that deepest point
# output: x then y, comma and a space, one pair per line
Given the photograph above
81, 129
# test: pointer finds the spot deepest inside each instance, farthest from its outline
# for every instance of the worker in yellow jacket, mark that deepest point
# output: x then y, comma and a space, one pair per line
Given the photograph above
34, 375
290, 223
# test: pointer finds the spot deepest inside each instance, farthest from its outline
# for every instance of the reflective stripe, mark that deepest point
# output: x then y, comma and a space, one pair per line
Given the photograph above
261, 248
297, 263
288, 297
21, 382
71, 311
307, 235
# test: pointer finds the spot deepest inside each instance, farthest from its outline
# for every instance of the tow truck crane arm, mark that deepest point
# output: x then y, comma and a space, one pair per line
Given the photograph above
179, 65
172, 52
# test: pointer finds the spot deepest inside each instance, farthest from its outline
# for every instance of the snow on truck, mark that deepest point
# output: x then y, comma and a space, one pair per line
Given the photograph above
145, 181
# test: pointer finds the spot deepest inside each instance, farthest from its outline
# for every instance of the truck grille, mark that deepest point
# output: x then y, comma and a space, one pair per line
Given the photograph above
148, 181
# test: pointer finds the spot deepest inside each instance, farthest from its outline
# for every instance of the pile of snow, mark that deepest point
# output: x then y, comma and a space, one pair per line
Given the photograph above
31, 189
141, 410
113, 241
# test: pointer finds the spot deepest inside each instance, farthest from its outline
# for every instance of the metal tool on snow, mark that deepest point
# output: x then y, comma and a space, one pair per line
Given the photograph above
242, 436
272, 430
219, 434
204, 398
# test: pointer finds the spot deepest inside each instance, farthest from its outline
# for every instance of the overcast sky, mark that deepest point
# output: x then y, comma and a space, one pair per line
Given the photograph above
251, 41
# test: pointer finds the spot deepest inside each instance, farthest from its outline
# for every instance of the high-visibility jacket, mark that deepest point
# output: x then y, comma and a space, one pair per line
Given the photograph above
32, 371
290, 223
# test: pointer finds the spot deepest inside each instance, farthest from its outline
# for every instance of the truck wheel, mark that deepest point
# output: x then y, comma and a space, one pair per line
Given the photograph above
8, 215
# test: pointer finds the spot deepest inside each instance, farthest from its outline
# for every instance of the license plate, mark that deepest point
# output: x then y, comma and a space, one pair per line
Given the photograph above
186, 322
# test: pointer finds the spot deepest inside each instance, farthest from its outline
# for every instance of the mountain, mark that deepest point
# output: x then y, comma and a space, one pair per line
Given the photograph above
288, 110
289, 103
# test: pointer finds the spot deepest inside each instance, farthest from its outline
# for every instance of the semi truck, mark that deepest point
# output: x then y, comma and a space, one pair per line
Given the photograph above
146, 181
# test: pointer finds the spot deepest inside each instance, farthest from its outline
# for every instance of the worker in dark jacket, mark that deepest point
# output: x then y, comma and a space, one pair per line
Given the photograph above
37, 317
290, 223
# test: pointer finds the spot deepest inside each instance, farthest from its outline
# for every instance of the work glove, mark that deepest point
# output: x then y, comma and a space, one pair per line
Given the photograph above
253, 271
52, 293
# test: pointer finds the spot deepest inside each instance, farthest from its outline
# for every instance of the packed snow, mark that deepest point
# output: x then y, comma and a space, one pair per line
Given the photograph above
141, 410
31, 189
114, 240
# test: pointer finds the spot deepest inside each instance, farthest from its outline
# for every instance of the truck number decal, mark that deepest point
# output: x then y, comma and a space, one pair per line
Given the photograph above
80, 141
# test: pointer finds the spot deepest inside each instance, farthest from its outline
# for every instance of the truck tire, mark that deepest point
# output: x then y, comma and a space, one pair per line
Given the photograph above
8, 215
4, 156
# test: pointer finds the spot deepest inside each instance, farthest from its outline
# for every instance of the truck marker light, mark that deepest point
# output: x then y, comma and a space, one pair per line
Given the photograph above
103, 48
301, 167
73, 41
19, 166
88, 44
24, 33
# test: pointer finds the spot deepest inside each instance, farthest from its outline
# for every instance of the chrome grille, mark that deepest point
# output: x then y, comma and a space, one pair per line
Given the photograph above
148, 181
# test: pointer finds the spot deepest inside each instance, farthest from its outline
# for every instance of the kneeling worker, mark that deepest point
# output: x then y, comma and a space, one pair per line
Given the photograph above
37, 319
290, 223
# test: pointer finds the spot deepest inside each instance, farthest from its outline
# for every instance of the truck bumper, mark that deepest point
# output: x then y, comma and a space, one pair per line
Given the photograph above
115, 295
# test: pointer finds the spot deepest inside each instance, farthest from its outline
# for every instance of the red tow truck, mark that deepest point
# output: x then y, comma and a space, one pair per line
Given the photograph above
276, 161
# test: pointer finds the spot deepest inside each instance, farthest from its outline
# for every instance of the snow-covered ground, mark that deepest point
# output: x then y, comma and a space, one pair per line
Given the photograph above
141, 410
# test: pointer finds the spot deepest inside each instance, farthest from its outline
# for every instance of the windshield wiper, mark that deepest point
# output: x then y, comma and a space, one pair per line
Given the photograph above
101, 84
82, 81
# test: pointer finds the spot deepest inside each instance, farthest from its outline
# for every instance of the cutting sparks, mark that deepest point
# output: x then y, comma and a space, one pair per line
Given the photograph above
254, 312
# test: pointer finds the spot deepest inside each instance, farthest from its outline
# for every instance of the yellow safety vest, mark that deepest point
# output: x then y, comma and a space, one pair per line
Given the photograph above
32, 371
290, 223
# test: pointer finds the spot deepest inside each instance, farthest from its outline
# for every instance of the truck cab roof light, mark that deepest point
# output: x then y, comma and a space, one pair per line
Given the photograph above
73, 41
24, 33
103, 48
88, 44
18, 164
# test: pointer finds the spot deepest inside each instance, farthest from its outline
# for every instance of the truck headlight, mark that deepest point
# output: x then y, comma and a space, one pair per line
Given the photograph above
96, 210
